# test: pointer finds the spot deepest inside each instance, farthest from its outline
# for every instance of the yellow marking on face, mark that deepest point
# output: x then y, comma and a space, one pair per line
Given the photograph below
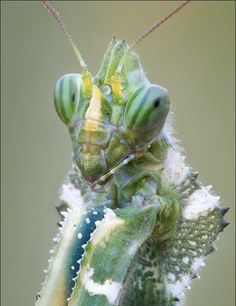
87, 82
116, 87
93, 113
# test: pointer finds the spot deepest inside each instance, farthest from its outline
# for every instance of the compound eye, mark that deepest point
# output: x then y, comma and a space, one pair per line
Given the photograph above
146, 110
67, 96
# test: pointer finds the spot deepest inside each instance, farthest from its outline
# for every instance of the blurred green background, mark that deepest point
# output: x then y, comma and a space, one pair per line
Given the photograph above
192, 55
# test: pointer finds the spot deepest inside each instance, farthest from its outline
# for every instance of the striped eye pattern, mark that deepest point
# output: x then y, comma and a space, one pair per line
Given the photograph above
147, 109
67, 97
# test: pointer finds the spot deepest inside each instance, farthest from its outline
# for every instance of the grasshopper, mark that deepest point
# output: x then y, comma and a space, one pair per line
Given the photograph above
136, 224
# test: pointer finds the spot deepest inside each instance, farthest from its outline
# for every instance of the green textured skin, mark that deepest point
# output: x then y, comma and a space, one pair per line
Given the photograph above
155, 240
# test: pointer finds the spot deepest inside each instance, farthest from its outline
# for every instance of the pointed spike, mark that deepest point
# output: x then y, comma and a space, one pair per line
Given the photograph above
61, 223
224, 210
195, 276
210, 250
223, 225
64, 213
176, 299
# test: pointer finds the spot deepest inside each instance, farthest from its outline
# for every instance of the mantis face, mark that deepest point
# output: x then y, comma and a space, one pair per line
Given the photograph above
109, 121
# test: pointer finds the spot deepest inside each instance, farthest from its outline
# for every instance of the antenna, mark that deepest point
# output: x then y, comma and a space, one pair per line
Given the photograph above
60, 21
149, 31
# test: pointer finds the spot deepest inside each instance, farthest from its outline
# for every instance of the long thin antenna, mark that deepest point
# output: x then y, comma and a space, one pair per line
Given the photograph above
149, 31
60, 21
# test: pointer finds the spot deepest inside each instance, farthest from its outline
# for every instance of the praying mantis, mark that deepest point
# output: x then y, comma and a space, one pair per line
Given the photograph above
136, 224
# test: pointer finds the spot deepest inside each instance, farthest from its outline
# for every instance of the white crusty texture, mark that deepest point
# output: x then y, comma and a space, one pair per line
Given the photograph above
175, 169
105, 227
200, 203
177, 289
71, 195
197, 263
109, 288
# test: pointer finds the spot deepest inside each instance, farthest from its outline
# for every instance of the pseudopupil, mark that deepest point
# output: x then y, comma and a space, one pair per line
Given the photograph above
156, 102
73, 97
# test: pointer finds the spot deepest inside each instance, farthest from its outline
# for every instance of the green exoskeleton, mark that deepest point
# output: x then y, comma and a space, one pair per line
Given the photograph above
136, 223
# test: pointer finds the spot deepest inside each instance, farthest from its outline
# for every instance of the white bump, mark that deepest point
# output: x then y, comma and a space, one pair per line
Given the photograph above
64, 213
174, 250
97, 222
72, 267
194, 253
79, 236
95, 212
62, 223
87, 220
185, 260
171, 277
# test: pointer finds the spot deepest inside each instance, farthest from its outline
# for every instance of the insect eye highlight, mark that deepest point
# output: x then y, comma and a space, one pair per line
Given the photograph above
156, 102
73, 97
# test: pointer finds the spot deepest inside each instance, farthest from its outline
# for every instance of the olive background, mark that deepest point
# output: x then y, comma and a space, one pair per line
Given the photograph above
192, 56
